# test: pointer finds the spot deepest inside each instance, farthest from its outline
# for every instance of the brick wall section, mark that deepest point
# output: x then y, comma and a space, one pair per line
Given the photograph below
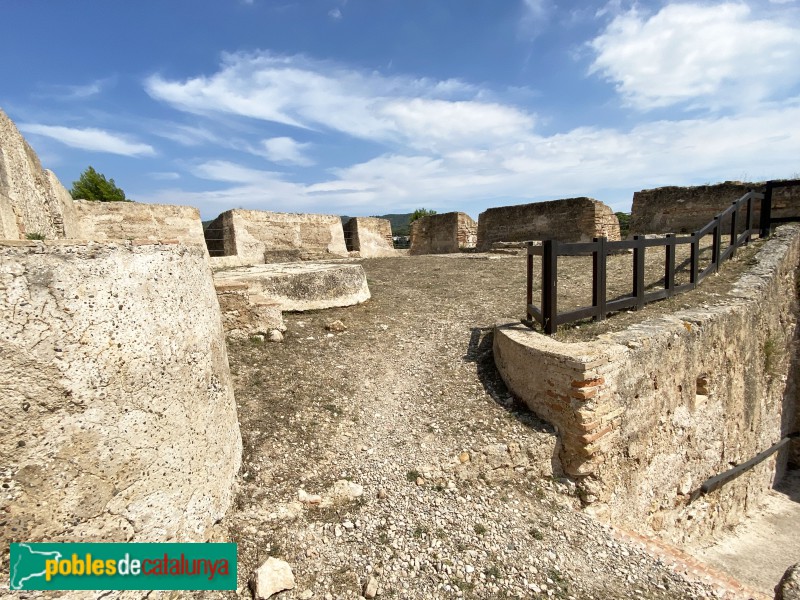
369, 236
443, 234
568, 220
257, 236
687, 209
646, 415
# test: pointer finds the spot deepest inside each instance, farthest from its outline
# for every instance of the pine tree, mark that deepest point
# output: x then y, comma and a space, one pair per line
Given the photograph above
94, 186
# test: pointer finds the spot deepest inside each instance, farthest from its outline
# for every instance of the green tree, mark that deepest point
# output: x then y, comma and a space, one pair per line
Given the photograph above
419, 213
624, 223
94, 186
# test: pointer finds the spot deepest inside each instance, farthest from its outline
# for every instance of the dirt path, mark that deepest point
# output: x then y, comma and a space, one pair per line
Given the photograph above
459, 494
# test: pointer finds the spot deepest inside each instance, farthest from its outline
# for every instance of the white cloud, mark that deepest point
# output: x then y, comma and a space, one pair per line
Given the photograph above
335, 14
309, 94
285, 150
577, 162
703, 55
95, 140
164, 175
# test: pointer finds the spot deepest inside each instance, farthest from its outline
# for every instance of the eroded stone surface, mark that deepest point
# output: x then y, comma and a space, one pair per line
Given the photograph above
369, 236
32, 200
302, 286
139, 221
442, 234
118, 415
257, 236
568, 220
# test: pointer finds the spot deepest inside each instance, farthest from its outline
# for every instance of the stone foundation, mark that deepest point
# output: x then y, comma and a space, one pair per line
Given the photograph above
443, 234
646, 415
258, 237
370, 237
569, 220
119, 421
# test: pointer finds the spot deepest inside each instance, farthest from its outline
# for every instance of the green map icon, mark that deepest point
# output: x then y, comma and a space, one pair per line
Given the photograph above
28, 564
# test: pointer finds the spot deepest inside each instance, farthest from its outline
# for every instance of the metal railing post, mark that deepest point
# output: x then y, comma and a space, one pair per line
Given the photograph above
599, 278
550, 285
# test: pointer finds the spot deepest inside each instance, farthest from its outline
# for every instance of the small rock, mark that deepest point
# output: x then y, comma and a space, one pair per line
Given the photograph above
337, 326
309, 498
345, 490
382, 494
273, 576
275, 336
306, 594
463, 457
420, 481
371, 588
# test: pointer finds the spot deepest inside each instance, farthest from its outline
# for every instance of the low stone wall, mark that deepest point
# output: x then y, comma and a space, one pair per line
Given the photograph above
32, 200
687, 209
257, 236
368, 236
568, 220
103, 221
443, 234
119, 421
647, 414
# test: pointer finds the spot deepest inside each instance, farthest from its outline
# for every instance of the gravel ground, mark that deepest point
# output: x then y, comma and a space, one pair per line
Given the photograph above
453, 491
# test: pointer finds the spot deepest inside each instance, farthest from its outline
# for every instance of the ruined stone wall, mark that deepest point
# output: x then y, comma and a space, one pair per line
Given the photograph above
443, 234
119, 421
257, 236
369, 236
32, 200
568, 220
139, 221
687, 209
646, 415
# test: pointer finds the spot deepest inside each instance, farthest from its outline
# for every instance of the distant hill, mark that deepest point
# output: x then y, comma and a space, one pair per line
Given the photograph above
400, 224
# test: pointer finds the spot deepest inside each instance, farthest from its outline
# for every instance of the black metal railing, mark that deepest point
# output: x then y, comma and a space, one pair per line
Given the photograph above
738, 228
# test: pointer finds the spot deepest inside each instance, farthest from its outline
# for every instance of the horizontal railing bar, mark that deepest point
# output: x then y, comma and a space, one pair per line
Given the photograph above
577, 314
620, 303
684, 287
716, 482
653, 296
705, 272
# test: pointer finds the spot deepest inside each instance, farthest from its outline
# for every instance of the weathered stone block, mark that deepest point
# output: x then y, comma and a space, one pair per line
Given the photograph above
443, 234
119, 421
568, 220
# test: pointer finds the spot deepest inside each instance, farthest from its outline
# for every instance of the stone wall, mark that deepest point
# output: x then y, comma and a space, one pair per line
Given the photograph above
647, 414
136, 220
569, 220
687, 209
32, 200
257, 236
369, 237
443, 234
119, 421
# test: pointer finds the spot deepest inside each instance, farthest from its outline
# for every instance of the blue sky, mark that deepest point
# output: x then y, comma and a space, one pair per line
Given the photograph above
365, 107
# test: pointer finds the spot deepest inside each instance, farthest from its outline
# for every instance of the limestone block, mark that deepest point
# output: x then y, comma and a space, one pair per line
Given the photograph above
369, 236
443, 234
139, 221
118, 414
567, 220
302, 286
32, 201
